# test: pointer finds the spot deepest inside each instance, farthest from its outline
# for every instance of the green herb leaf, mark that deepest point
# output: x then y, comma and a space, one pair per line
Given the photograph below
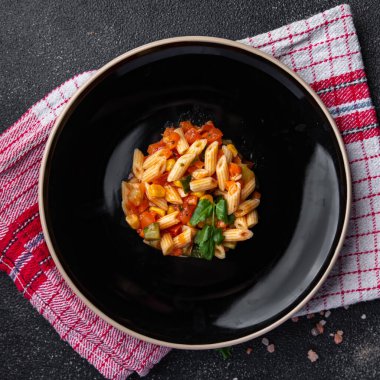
202, 212
218, 236
225, 352
221, 210
203, 235
231, 219
186, 183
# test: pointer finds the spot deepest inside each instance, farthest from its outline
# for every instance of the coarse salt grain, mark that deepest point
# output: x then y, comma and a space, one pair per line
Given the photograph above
249, 350
312, 356
322, 322
363, 316
314, 331
310, 316
340, 332
327, 314
322, 313
265, 341
320, 328
338, 339
295, 319
270, 348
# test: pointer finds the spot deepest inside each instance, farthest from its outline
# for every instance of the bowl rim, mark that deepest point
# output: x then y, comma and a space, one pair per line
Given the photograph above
65, 114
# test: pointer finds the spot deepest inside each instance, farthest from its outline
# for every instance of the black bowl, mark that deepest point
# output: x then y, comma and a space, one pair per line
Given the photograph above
273, 117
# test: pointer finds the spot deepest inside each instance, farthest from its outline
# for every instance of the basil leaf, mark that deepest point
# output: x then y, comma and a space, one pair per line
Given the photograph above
202, 212
207, 249
186, 183
221, 210
225, 352
203, 235
196, 252
218, 235
231, 219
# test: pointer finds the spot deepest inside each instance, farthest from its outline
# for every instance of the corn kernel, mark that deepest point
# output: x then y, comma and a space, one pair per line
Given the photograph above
158, 210
169, 164
198, 194
133, 221
156, 191
171, 209
177, 183
232, 149
208, 197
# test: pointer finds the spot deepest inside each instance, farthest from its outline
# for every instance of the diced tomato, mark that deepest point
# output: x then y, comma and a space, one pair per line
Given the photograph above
207, 126
192, 135
152, 148
131, 208
229, 184
212, 134
175, 230
171, 138
176, 252
186, 125
256, 195
237, 160
162, 179
195, 166
187, 212
234, 169
143, 206
221, 224
220, 154
146, 218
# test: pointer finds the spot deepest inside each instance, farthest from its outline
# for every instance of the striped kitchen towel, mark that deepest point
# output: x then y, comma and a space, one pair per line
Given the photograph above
323, 50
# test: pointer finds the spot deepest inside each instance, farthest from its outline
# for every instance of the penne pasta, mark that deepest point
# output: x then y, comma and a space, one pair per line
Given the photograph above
211, 157
203, 184
241, 223
252, 218
199, 173
233, 198
180, 167
172, 195
220, 252
246, 207
182, 145
167, 244
168, 220
227, 153
182, 197
192, 230
197, 147
154, 158
222, 172
237, 235
137, 165
183, 239
248, 188
154, 171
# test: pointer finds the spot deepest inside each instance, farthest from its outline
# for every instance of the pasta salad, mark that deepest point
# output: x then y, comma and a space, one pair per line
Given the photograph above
193, 194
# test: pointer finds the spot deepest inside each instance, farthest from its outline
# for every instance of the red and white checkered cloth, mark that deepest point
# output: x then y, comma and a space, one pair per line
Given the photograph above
324, 50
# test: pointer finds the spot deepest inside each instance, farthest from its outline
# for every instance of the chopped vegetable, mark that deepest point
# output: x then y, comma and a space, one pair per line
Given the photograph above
202, 212
152, 232
225, 352
221, 210
146, 218
185, 182
247, 174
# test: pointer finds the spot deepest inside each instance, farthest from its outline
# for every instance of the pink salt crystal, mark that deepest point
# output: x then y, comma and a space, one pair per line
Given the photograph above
249, 350
265, 341
320, 328
338, 339
270, 348
314, 331
310, 316
340, 332
295, 319
312, 356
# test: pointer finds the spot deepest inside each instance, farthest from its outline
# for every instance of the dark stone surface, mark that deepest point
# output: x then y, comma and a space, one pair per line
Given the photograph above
44, 43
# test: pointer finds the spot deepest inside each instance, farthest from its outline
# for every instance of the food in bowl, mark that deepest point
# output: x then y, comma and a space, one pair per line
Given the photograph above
193, 194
